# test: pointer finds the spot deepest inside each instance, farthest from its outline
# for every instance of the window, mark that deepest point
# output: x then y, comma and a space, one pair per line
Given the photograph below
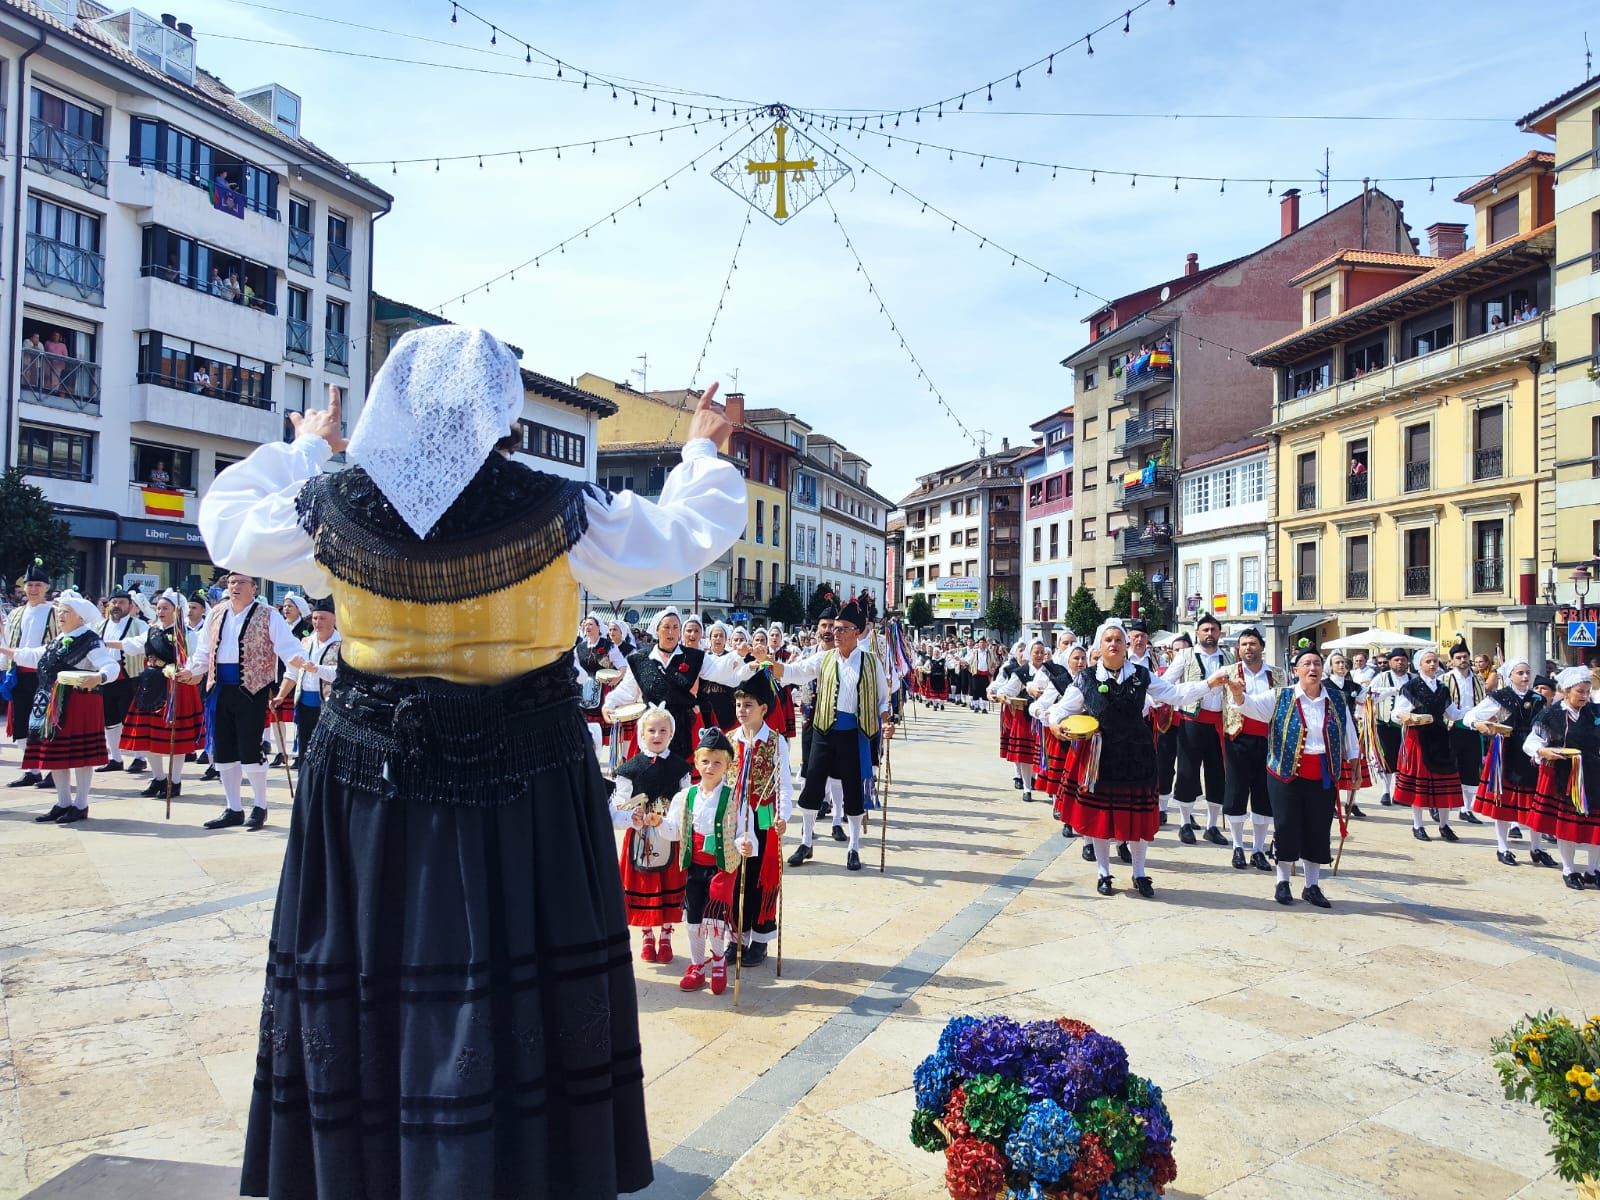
853, 556
1252, 482
1191, 581
1429, 332
59, 366
1356, 482
68, 137
297, 325
1091, 379
165, 466
55, 453
204, 370
1088, 534
957, 537
1250, 584
177, 258
1357, 567
1088, 478
64, 251
1305, 583
972, 506
761, 523
805, 488
336, 338
1488, 556
1057, 436
231, 180
1418, 458
1219, 579
1306, 378
302, 242
296, 391
1038, 543
838, 552
811, 545
1055, 595
1055, 540
933, 546
1055, 488
972, 567
1419, 562
1370, 355
1509, 303
1306, 482
1038, 611
1196, 494
338, 250
1488, 444
1322, 303
1503, 220
777, 524
827, 548
543, 441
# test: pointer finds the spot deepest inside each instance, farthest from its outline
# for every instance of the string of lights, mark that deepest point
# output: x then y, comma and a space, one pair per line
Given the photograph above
894, 327
722, 296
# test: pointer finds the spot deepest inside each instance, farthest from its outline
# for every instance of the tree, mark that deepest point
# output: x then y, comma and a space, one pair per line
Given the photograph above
820, 599
29, 529
1001, 618
786, 606
1083, 614
1150, 607
919, 614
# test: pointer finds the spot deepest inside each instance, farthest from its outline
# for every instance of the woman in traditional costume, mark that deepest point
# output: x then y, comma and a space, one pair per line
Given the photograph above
716, 699
1509, 781
1565, 741
450, 1006
166, 720
297, 615
591, 654
1019, 732
1052, 775
1427, 778
1356, 774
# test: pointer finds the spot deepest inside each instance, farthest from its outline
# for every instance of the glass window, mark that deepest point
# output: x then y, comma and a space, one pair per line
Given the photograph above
1306, 378
55, 453
1219, 578
1370, 355
1429, 332
161, 466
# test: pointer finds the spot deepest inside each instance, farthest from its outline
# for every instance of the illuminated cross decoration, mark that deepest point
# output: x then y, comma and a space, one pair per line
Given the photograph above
781, 167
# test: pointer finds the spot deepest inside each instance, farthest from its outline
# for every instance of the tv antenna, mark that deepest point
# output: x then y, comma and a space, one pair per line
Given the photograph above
642, 372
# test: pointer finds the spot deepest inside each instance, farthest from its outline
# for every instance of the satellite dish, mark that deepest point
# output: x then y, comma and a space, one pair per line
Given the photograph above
1166, 294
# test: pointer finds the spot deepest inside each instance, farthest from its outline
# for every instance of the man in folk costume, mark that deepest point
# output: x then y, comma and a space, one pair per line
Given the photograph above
1246, 791
1311, 735
165, 719
852, 708
1385, 685
66, 724
240, 648
833, 794
1019, 737
985, 662
122, 623
1467, 690
30, 626
668, 674
310, 674
1200, 733
764, 790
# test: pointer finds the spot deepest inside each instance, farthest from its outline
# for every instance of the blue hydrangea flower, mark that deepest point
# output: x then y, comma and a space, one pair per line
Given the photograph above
953, 1029
935, 1076
1045, 1145
1130, 1185
994, 1047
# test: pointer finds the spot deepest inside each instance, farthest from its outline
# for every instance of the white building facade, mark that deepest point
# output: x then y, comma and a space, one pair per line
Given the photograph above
1222, 539
184, 271
853, 518
1047, 525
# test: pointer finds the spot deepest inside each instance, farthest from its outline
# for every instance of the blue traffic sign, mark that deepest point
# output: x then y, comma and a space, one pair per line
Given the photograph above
1581, 633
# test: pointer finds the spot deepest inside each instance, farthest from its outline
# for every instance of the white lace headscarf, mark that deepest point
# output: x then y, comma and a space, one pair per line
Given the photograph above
90, 614
442, 399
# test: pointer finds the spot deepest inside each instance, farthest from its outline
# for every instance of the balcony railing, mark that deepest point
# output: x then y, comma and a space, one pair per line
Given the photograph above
1489, 575
216, 288
59, 150
1306, 496
339, 264
1135, 544
747, 591
57, 266
233, 395
297, 340
302, 248
337, 353
1149, 426
1418, 475
1355, 585
1305, 587
60, 381
1419, 581
1154, 482
1488, 463
1147, 371
1355, 487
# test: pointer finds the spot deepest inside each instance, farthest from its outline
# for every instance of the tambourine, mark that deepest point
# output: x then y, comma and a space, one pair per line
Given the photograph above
1419, 719
1496, 727
80, 679
1080, 726
628, 713
170, 670
1566, 751
1020, 703
606, 676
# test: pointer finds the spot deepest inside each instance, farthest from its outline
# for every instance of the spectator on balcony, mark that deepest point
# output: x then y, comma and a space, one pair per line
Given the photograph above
201, 379
159, 476
230, 289
222, 180
1357, 467
58, 351
249, 294
1530, 311
33, 362
216, 282
1164, 344
1497, 323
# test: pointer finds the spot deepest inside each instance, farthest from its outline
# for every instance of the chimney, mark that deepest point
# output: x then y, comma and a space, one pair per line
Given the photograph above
186, 29
733, 407
1005, 444
170, 21
1446, 239
1191, 264
1289, 210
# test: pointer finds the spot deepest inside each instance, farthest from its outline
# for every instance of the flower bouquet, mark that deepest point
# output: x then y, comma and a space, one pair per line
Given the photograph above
1555, 1064
1040, 1111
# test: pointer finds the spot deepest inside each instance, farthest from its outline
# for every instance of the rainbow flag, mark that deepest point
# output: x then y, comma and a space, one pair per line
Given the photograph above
163, 502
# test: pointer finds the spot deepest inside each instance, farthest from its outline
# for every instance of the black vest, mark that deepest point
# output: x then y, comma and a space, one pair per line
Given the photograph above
1434, 739
671, 685
160, 650
657, 779
52, 662
593, 658
1127, 752
1524, 711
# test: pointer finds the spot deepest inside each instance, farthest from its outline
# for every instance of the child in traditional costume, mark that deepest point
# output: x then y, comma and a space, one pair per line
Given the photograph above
764, 789
705, 817
652, 873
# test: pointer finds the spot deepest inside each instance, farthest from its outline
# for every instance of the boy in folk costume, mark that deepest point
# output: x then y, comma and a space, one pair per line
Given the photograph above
121, 623
764, 790
706, 819
652, 873
1245, 791
1467, 689
29, 626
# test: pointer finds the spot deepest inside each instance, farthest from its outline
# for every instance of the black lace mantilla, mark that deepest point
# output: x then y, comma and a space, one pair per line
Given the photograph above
508, 524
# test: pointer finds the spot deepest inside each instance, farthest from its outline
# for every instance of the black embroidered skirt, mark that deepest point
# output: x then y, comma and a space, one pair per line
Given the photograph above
449, 1007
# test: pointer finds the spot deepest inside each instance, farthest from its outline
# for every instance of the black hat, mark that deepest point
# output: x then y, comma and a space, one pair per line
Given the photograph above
831, 613
323, 605
119, 594
1540, 681
853, 613
1252, 631
36, 572
1460, 647
759, 688
1136, 625
1400, 651
1207, 619
1184, 638
714, 739
200, 598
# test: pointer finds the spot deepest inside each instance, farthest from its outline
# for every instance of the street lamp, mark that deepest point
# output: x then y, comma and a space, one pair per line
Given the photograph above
1582, 578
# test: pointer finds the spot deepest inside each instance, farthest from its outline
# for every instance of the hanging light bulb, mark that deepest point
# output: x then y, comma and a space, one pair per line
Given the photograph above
1088, 40
1019, 78
494, 36
527, 54
1127, 20
452, 14
1051, 68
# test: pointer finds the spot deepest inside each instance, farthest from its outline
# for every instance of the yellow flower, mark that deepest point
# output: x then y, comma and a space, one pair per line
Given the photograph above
1572, 1074
1573, 1092
1592, 1094
1533, 1057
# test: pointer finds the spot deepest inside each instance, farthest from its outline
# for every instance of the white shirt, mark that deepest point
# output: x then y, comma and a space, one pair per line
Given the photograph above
101, 659
1403, 705
808, 669
728, 669
1256, 681
785, 802
1537, 739
1210, 663
613, 656
704, 821
325, 665
1160, 691
632, 545
1259, 706
284, 643
34, 618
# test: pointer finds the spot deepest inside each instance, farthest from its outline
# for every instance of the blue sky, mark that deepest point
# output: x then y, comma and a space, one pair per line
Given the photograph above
799, 324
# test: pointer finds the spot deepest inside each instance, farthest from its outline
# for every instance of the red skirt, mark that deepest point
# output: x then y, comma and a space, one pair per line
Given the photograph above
1419, 786
1355, 775
1551, 812
150, 733
280, 712
1050, 774
780, 717
1121, 812
80, 739
653, 898
1513, 804
1018, 742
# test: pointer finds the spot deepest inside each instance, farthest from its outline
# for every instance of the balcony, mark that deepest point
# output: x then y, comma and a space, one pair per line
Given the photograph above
1488, 463
1155, 483
216, 290
339, 264
66, 270
1152, 425
336, 352
1419, 581
53, 150
297, 341
57, 381
302, 249
1489, 575
1355, 585
1134, 545
1149, 370
1418, 475
746, 591
1305, 588
157, 402
1355, 488
136, 507
1306, 497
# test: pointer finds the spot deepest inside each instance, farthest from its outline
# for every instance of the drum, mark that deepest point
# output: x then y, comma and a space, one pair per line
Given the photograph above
627, 714
78, 679
1081, 726
1020, 703
1496, 727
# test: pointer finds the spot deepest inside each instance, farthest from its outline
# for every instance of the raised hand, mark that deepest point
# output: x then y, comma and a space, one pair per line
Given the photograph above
707, 422
327, 423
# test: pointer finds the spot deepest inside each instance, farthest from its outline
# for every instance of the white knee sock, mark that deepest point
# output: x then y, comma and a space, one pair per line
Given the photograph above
1313, 872
1027, 778
83, 778
175, 769
834, 791
1139, 850
1468, 795
1594, 858
697, 944
1417, 813
1444, 817
1284, 869
855, 833
1568, 853
63, 789
808, 830
257, 775
114, 743
1102, 854
231, 773
158, 767
1186, 811
1236, 829
1501, 830
1258, 833
1016, 770
1214, 814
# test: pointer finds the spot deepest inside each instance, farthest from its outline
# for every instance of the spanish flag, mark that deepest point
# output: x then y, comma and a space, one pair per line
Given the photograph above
162, 502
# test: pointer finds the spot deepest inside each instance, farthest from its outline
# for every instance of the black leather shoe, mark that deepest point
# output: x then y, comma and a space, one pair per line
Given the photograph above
1592, 878
1574, 881
138, 766
1506, 857
852, 861
1066, 831
156, 787
1016, 782
825, 809
1541, 858
1313, 895
1088, 852
1448, 834
1163, 820
203, 758
29, 779
801, 853
754, 954
49, 781
1142, 885
1239, 861
1355, 811
1433, 815
1027, 797
839, 835
258, 818
277, 761
1193, 824
227, 820
1260, 861
1214, 836
1471, 818
1186, 835
1547, 839
191, 757
54, 815
1103, 885
1282, 894
177, 790
73, 816
1421, 834
1515, 833
210, 773
1124, 853
1386, 801
110, 768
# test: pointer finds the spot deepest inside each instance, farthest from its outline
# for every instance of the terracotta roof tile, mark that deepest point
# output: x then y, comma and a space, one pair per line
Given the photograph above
1533, 158
1366, 258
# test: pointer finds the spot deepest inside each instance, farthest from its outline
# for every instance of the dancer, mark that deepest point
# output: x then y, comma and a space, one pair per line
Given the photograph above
166, 718
279, 730
591, 654
1385, 685
705, 817
498, 1037
1200, 734
1019, 736
641, 796
1566, 738
833, 793
1426, 779
1057, 750
716, 699
1509, 782
1338, 673
1245, 790
1467, 690
764, 792
32, 625
121, 623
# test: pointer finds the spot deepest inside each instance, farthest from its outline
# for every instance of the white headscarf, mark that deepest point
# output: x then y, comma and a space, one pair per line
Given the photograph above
137, 599
90, 615
299, 602
444, 396
722, 625
1109, 624
1572, 677
174, 599
669, 611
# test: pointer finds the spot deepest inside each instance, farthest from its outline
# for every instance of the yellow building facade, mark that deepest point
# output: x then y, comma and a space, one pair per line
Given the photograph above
1403, 452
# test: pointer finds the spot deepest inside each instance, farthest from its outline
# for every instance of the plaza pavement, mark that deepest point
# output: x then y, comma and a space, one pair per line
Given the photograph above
1328, 1055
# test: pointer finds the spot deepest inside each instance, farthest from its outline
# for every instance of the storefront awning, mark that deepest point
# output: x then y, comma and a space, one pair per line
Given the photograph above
162, 533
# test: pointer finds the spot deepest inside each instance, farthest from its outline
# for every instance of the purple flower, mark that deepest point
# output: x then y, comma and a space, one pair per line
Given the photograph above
1047, 1041
1052, 1081
1157, 1128
953, 1029
1099, 1066
994, 1047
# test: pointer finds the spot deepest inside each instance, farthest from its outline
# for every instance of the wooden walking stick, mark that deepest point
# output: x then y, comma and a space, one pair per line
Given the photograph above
737, 946
172, 735
780, 907
1344, 828
283, 750
883, 802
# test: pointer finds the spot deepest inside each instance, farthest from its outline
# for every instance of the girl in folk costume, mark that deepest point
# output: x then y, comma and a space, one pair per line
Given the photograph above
1110, 788
1356, 774
591, 654
716, 699
1565, 741
1019, 732
764, 790
1052, 684
1311, 733
705, 818
450, 876
1509, 779
1427, 777
297, 616
66, 722
694, 631
1467, 690
739, 642
166, 719
29, 626
782, 716
620, 637
652, 875
668, 674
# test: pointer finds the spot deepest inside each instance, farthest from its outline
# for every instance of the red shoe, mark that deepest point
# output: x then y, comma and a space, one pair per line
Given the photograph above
719, 976
694, 978
664, 950
648, 952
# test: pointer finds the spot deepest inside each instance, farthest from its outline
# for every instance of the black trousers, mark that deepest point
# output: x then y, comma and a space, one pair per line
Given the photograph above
1302, 813
696, 891
1246, 785
117, 697
241, 717
1467, 746
1389, 740
305, 724
835, 755
1199, 753
1167, 759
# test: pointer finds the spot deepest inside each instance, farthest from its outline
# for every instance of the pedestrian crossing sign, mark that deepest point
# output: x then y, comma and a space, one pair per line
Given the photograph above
1581, 633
